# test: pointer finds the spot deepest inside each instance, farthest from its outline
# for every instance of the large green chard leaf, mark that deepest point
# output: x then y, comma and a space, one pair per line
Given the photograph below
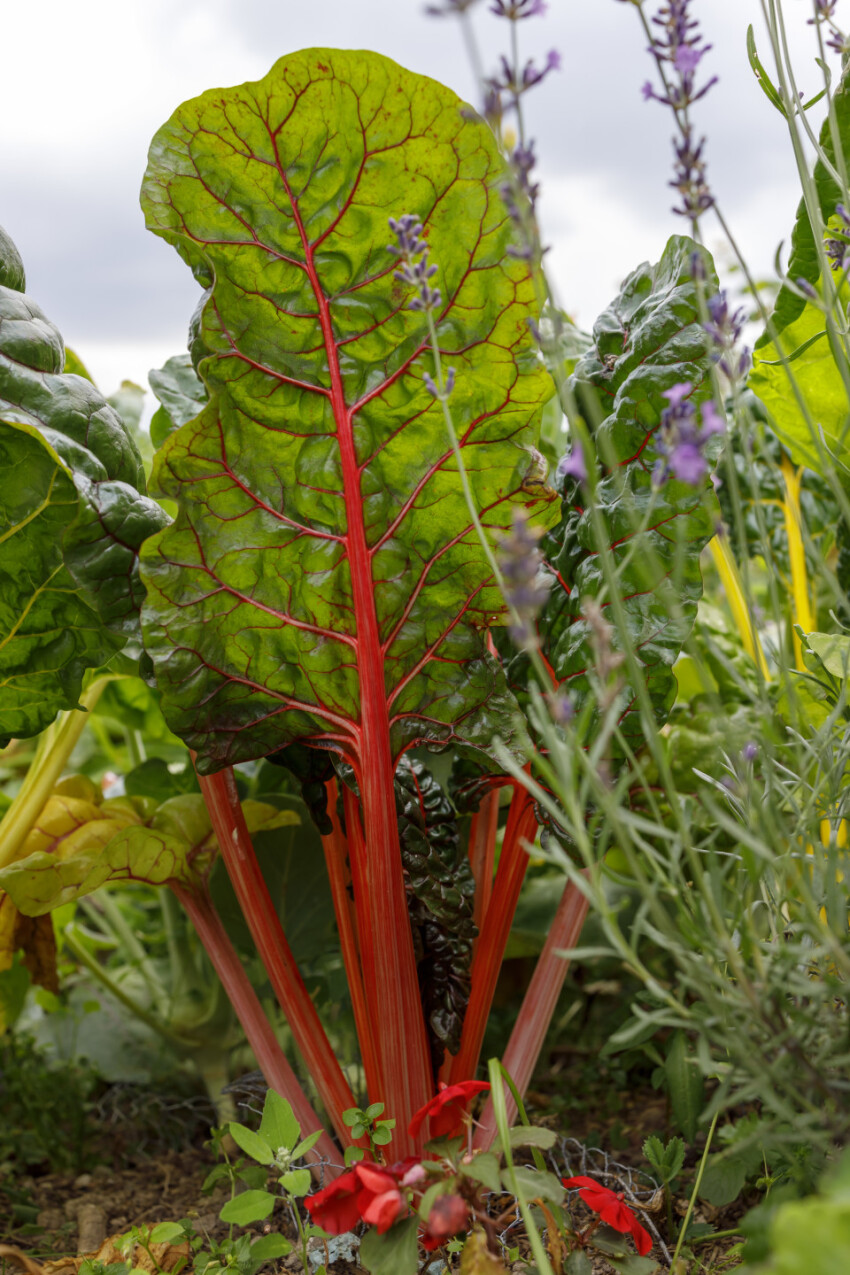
648, 340
322, 580
72, 515
800, 328
82, 842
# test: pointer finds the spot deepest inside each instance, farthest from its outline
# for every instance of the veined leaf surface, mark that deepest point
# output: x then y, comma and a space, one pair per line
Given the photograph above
648, 340
322, 580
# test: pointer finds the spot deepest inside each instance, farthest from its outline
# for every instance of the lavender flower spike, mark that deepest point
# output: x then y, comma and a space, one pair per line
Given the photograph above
526, 587
412, 252
514, 10
573, 465
681, 441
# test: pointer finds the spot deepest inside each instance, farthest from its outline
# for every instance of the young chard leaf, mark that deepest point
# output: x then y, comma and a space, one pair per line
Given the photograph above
82, 842
72, 516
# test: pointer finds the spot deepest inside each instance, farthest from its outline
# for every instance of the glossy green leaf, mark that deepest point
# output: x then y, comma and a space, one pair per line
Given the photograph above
72, 516
393, 1253
167, 1233
323, 571
82, 842
269, 1247
833, 651
250, 1206
253, 1144
278, 1125
534, 1184
648, 340
483, 1168
532, 1136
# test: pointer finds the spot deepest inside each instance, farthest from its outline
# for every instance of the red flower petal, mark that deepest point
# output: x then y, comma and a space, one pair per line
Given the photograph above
612, 1210
382, 1210
335, 1208
446, 1108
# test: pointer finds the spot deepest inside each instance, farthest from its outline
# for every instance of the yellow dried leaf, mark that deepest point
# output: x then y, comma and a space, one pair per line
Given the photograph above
476, 1258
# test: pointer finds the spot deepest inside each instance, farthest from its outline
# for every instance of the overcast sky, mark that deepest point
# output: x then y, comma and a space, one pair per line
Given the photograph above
87, 84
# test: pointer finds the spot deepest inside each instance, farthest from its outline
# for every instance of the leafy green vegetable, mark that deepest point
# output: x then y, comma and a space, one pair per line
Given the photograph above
181, 394
82, 842
799, 325
648, 340
322, 571
72, 516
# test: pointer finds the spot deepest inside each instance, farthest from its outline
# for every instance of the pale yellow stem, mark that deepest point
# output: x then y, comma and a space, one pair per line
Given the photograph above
727, 569
54, 748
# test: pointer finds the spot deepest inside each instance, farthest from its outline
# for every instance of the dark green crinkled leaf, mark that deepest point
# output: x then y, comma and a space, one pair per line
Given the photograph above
181, 394
72, 516
323, 571
648, 340
441, 891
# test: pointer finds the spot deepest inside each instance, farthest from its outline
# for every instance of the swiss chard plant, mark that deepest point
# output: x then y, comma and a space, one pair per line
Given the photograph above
352, 440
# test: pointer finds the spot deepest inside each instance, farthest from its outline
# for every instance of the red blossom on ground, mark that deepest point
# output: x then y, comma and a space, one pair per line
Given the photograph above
610, 1207
380, 1201
335, 1208
367, 1193
449, 1214
447, 1109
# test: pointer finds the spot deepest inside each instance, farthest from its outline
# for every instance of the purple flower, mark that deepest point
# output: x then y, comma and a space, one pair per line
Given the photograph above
433, 388
677, 44
724, 329
513, 82
681, 442
836, 249
807, 288
561, 708
412, 252
526, 586
687, 463
573, 465
517, 9
677, 394
712, 421
687, 58
750, 751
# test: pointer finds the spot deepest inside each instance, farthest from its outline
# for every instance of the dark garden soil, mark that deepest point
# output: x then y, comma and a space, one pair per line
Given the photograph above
53, 1218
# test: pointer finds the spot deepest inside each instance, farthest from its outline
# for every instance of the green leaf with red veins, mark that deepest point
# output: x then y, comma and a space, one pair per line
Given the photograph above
648, 340
322, 580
